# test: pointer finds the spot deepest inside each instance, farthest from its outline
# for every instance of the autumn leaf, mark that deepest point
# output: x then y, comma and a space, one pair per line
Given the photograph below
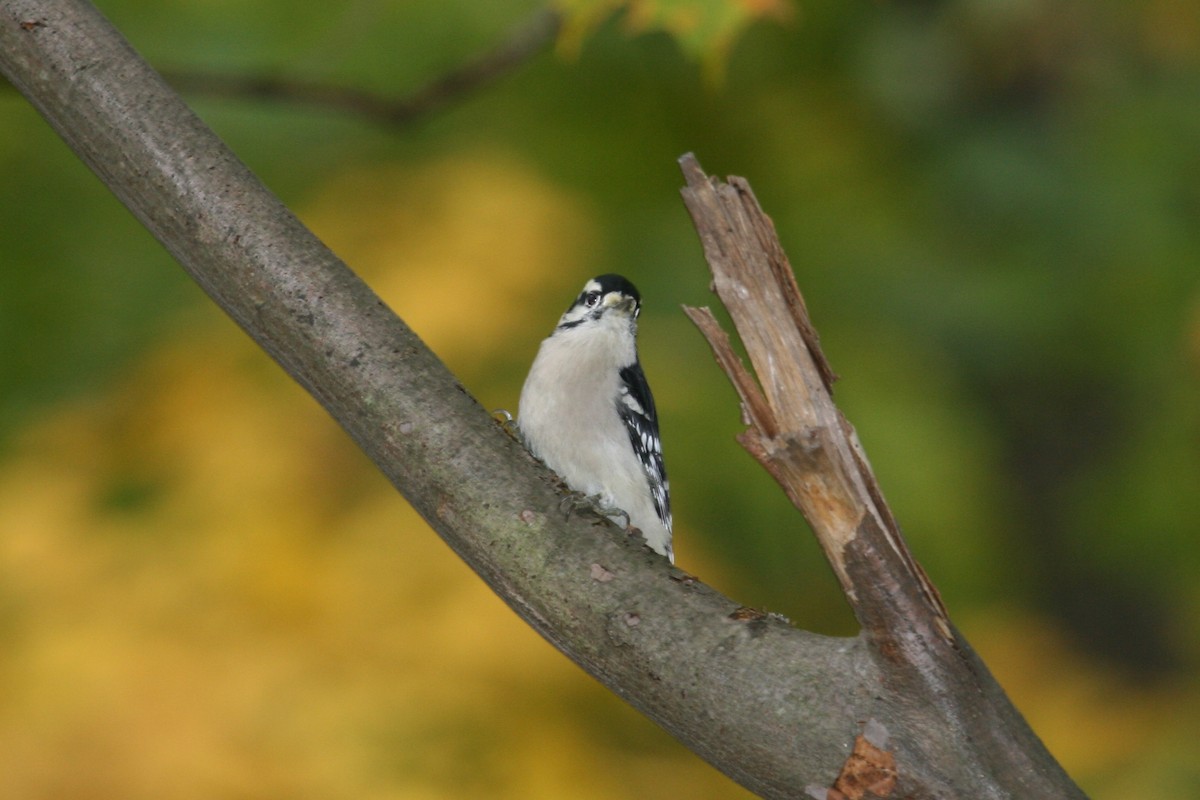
705, 29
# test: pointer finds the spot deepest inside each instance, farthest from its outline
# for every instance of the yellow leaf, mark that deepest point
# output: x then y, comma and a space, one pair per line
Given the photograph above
705, 29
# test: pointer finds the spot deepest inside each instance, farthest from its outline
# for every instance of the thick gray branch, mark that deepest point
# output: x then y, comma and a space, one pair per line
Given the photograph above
771, 706
774, 707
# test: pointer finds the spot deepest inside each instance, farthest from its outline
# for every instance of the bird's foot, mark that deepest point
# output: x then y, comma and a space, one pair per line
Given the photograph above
578, 501
507, 423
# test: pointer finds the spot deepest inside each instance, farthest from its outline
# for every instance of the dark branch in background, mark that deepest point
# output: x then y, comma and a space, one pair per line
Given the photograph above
523, 42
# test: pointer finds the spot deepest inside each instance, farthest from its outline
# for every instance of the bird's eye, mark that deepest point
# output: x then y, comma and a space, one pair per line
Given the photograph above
591, 299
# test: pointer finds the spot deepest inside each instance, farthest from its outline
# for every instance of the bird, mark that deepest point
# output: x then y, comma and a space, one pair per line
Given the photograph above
587, 412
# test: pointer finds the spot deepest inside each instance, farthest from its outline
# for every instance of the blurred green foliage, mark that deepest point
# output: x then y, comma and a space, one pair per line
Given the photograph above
992, 206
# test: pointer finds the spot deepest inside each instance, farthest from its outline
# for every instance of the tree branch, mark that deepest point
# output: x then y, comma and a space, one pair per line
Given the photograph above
522, 43
773, 707
798, 434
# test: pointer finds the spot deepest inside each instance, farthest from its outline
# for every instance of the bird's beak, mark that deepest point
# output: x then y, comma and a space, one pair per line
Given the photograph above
620, 302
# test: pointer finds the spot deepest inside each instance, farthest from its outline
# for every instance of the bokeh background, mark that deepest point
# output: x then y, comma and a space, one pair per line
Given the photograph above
993, 208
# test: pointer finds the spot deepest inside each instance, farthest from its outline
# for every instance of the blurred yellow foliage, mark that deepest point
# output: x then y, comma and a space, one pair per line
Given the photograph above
206, 591
458, 247
1093, 719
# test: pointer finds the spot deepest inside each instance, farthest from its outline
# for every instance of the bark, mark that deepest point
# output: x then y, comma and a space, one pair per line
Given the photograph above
932, 680
774, 707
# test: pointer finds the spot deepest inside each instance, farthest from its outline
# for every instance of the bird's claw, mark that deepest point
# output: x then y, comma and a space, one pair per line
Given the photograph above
578, 501
507, 423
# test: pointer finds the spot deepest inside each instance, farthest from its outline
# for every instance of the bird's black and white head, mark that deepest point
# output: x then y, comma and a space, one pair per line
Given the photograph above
608, 301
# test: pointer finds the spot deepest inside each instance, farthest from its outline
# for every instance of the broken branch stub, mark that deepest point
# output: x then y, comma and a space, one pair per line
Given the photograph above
795, 430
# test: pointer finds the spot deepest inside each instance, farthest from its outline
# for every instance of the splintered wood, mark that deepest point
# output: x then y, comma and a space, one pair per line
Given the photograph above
795, 430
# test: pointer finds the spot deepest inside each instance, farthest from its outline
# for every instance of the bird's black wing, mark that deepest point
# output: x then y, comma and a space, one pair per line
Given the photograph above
635, 405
